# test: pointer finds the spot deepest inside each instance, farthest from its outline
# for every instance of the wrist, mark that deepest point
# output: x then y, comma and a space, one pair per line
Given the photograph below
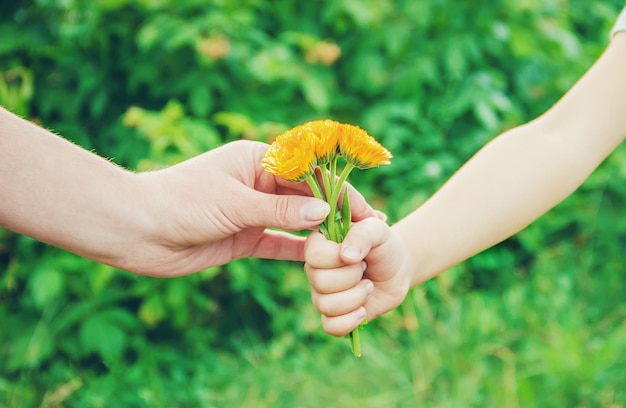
408, 269
155, 204
169, 201
416, 267
138, 224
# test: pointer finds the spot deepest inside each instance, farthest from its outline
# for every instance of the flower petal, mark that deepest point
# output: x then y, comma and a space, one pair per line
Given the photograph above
291, 156
361, 149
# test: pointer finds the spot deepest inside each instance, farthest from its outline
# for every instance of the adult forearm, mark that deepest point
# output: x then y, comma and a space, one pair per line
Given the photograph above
59, 193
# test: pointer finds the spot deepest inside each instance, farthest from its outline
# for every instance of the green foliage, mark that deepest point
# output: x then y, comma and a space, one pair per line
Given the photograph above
535, 321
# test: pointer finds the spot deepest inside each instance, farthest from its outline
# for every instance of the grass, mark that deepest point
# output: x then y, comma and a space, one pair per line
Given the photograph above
553, 338
549, 332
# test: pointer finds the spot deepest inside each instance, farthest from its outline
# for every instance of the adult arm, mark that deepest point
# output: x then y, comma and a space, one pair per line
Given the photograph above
203, 212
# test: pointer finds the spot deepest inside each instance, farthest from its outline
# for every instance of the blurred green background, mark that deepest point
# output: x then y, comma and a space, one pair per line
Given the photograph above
535, 321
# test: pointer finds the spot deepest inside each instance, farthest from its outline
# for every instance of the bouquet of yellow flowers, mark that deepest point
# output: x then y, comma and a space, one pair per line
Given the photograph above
297, 153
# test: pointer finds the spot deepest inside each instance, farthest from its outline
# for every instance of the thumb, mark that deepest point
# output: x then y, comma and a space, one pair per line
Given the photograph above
288, 212
362, 237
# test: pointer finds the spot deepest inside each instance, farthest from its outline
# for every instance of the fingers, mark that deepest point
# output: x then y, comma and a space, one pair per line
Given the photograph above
328, 281
358, 206
336, 274
259, 199
338, 290
380, 215
320, 252
344, 302
339, 326
288, 212
342, 310
340, 302
362, 237
279, 245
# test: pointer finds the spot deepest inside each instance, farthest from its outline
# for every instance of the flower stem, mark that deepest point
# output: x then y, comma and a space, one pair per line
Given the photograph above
355, 336
342, 177
332, 224
326, 180
336, 228
333, 168
355, 342
315, 187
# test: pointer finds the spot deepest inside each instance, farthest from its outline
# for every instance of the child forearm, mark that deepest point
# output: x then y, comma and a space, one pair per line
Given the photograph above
523, 173
506, 186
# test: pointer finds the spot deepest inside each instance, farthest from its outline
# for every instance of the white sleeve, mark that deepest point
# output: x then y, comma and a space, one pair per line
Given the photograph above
620, 24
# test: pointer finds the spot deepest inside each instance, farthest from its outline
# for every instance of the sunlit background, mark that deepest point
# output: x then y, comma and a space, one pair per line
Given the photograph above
535, 321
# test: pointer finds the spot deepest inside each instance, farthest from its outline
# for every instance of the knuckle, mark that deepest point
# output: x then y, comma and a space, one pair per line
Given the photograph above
282, 208
315, 299
321, 253
311, 253
312, 274
322, 304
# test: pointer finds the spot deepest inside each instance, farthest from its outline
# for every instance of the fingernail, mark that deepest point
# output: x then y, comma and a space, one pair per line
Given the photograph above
351, 252
315, 210
369, 287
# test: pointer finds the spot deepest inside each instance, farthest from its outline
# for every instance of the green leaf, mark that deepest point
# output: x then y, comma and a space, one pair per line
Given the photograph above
152, 310
105, 333
200, 100
31, 349
315, 93
46, 284
324, 229
486, 115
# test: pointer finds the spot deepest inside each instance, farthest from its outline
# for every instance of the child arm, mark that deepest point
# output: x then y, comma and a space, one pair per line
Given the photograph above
523, 173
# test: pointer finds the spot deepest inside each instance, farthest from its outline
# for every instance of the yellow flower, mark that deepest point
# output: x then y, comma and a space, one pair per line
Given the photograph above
292, 155
295, 155
360, 149
326, 137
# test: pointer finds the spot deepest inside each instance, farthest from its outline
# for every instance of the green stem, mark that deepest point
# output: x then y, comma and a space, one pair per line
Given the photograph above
342, 177
315, 186
355, 342
329, 186
332, 224
326, 180
334, 230
355, 335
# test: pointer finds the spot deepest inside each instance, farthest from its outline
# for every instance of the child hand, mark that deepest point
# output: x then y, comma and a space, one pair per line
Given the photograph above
365, 276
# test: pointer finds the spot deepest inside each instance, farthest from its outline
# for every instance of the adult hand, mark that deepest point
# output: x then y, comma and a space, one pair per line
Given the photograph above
203, 212
216, 208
